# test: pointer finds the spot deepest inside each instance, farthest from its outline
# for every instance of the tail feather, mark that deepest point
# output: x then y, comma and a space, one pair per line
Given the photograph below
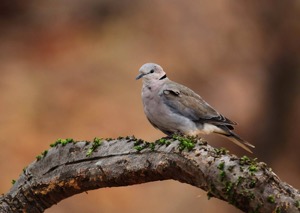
235, 138
240, 142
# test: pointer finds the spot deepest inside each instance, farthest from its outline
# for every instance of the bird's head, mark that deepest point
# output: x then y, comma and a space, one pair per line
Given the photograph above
151, 72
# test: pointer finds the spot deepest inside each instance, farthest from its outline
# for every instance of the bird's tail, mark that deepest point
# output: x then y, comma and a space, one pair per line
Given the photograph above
235, 138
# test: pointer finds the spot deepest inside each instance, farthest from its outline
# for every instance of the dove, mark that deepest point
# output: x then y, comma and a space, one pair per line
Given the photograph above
175, 109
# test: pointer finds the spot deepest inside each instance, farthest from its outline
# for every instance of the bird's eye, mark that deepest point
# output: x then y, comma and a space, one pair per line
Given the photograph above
151, 71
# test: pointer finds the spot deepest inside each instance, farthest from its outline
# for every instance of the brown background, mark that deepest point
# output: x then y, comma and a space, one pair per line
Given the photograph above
67, 69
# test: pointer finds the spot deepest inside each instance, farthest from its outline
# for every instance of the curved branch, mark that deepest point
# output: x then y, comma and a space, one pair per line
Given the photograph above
71, 168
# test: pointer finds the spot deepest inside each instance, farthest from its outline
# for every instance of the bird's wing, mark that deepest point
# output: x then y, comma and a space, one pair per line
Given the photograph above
184, 101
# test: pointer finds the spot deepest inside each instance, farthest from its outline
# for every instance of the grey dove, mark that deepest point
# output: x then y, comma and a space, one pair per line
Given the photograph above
174, 108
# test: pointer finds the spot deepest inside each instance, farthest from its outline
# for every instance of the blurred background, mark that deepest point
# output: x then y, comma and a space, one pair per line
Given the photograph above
68, 68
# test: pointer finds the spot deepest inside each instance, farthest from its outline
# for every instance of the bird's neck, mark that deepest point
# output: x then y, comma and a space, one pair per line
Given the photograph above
154, 84
163, 77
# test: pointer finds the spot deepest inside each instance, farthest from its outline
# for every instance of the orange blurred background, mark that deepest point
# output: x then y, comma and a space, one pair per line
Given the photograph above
68, 68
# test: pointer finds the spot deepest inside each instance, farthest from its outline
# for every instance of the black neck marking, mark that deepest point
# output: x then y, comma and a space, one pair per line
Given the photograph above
163, 77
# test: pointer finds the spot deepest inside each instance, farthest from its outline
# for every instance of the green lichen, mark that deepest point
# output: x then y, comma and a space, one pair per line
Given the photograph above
185, 142
43, 154
63, 142
139, 145
108, 139
221, 165
138, 142
229, 187
139, 148
152, 146
245, 160
24, 169
96, 143
221, 151
253, 168
55, 143
271, 199
161, 141
230, 192
253, 165
222, 175
13, 181
97, 140
70, 140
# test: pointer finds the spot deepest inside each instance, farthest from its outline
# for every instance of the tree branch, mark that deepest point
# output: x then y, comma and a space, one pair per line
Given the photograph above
71, 167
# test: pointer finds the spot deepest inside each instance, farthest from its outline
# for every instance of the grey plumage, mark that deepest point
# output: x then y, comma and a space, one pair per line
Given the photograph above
174, 108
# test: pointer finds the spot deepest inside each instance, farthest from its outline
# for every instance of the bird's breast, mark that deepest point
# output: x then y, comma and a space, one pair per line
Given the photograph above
161, 116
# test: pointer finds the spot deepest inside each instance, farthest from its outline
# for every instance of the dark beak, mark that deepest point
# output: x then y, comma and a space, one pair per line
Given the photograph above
139, 76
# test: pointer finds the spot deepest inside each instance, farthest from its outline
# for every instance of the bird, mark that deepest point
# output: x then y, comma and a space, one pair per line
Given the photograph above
176, 109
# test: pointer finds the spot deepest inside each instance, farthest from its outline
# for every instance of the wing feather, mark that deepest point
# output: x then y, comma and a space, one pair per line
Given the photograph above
184, 101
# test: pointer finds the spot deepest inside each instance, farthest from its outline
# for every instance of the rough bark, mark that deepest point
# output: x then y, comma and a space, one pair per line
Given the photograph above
71, 167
